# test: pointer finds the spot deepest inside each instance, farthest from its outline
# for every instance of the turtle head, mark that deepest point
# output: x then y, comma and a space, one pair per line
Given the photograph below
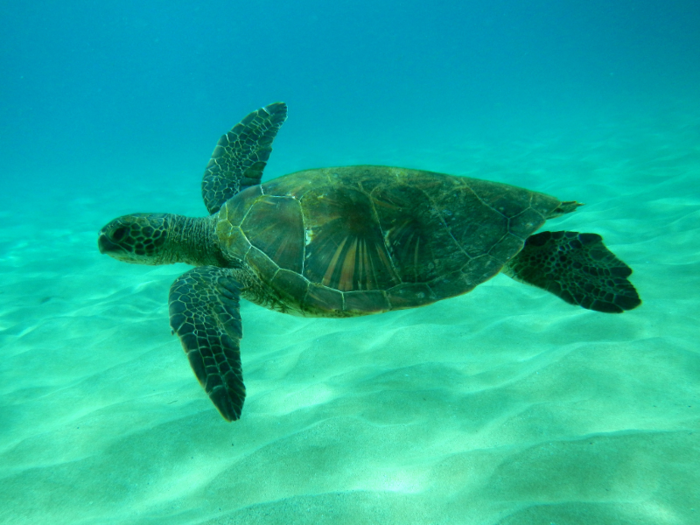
140, 238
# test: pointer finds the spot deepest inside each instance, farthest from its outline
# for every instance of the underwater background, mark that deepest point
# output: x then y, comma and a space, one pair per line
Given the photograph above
502, 406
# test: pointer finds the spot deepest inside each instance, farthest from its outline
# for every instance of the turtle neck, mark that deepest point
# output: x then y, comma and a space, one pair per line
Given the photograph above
193, 240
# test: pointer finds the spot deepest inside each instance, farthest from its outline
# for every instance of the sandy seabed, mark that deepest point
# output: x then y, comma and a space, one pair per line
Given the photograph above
503, 406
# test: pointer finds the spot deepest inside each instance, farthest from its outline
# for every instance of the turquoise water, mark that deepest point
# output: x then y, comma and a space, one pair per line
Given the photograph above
502, 406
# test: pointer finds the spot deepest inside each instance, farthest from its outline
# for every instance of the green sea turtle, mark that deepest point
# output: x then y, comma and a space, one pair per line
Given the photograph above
348, 241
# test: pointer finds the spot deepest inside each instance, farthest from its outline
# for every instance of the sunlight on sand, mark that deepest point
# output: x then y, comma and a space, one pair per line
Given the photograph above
503, 406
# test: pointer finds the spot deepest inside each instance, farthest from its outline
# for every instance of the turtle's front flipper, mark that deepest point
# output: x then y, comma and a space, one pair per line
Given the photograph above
204, 313
240, 156
576, 267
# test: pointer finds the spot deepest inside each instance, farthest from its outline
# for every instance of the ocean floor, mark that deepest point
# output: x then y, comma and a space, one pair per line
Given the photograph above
503, 406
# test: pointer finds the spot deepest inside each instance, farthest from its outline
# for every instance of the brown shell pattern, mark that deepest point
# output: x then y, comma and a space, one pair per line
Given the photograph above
365, 239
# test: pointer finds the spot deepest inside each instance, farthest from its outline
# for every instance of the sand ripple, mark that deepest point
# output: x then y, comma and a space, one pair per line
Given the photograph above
505, 406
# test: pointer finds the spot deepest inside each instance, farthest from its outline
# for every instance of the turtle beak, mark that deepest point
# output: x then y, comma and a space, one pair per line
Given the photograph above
105, 245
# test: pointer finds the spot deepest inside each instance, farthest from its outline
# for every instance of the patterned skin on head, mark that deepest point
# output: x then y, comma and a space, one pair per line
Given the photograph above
139, 238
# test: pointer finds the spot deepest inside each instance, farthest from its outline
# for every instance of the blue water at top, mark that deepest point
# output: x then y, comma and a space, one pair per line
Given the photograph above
95, 92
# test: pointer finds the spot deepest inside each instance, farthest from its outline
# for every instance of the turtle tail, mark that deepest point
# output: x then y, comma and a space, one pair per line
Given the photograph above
578, 268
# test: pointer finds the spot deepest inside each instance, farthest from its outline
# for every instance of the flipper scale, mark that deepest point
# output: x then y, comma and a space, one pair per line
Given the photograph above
204, 313
241, 155
578, 268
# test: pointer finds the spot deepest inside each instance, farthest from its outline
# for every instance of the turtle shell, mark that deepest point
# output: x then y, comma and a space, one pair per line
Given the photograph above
366, 239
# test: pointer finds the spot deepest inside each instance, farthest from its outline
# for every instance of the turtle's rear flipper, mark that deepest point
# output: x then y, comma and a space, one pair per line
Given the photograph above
576, 267
204, 313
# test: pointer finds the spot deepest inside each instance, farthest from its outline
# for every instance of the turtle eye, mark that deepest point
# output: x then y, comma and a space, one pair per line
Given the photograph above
119, 233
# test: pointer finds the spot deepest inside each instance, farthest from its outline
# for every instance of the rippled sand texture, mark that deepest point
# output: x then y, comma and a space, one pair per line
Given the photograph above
504, 406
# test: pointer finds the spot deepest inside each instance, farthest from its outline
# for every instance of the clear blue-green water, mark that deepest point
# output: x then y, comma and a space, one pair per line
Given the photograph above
503, 406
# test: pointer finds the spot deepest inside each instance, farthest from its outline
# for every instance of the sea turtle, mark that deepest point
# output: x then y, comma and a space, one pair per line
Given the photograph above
348, 241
